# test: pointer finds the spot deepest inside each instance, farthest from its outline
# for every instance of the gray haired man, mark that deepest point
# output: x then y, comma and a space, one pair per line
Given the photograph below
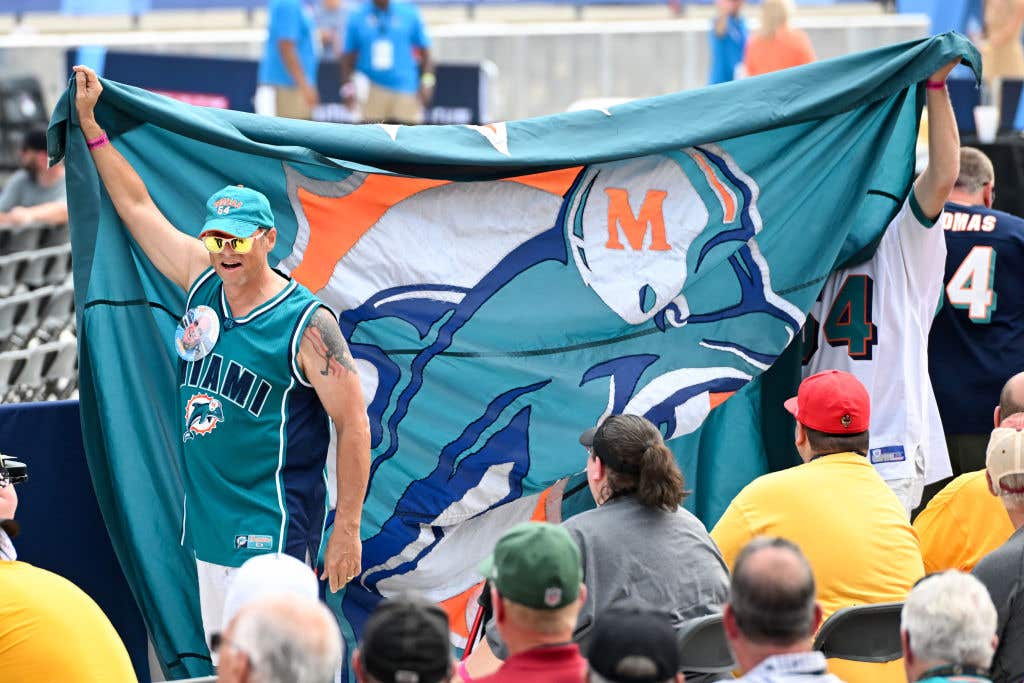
948, 629
280, 639
772, 615
1002, 570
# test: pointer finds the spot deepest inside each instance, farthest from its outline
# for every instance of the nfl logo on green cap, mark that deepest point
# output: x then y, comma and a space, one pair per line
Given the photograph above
237, 211
537, 565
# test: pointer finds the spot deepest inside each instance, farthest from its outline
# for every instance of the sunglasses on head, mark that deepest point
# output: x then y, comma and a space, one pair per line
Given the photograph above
240, 245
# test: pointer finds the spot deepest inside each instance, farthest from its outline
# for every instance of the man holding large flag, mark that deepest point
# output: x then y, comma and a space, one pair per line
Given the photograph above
872, 319
263, 364
432, 243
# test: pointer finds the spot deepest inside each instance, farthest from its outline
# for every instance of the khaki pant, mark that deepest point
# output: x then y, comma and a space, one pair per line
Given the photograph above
390, 106
289, 103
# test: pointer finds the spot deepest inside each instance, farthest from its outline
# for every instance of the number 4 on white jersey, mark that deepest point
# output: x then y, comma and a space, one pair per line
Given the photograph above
971, 285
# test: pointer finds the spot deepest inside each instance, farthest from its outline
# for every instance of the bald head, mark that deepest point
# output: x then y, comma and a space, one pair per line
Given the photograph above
288, 639
773, 593
1011, 398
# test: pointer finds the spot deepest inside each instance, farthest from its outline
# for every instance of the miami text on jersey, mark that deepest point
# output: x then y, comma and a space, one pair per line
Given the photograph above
231, 381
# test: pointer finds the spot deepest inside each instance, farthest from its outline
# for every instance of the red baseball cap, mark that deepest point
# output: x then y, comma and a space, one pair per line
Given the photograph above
832, 402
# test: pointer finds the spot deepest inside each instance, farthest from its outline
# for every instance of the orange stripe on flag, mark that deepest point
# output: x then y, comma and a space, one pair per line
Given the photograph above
337, 223
540, 512
461, 608
728, 201
554, 182
717, 398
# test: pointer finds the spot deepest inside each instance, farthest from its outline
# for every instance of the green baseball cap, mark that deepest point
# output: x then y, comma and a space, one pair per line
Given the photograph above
238, 211
537, 565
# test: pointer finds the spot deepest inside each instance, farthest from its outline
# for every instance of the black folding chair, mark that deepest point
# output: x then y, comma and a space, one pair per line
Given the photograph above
863, 633
703, 647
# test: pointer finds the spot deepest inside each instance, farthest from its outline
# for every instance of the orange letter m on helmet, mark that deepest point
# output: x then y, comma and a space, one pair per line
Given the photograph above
620, 214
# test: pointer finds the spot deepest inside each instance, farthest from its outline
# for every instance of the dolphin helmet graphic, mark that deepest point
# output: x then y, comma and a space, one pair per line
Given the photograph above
202, 415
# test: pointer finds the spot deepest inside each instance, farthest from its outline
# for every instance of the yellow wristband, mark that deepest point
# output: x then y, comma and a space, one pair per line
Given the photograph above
428, 80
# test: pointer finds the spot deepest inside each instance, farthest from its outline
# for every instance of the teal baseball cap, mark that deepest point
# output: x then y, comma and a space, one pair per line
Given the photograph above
537, 565
237, 211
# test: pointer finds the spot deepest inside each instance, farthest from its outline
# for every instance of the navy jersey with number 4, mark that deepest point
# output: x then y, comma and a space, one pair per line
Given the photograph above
975, 342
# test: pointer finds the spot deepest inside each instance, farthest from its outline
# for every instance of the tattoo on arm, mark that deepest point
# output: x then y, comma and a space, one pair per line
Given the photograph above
329, 344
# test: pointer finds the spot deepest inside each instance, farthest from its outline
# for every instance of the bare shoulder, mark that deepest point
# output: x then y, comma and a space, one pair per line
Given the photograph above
324, 349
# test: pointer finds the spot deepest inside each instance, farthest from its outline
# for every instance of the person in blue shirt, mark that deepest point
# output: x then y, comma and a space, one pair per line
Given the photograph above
331, 22
388, 43
728, 40
975, 340
290, 58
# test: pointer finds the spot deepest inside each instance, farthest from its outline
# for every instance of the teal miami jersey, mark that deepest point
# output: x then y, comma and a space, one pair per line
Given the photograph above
254, 432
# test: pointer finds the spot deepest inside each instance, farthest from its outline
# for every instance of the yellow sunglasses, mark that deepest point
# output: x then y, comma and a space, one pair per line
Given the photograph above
241, 245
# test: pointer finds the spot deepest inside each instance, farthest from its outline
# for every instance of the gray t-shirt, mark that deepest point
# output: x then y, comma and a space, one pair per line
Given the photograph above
1002, 572
21, 190
636, 555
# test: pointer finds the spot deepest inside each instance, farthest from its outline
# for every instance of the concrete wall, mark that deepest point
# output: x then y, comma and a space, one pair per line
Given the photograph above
541, 68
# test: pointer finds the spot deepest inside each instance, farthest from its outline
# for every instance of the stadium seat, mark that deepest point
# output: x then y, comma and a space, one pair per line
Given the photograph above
26, 238
26, 319
703, 647
59, 310
41, 372
20, 316
863, 633
55, 235
49, 266
60, 360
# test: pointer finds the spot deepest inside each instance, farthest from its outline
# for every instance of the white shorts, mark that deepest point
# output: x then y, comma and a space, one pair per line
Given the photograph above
214, 580
910, 490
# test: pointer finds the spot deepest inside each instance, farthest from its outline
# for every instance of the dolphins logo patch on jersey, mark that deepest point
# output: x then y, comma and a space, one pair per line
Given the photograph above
202, 415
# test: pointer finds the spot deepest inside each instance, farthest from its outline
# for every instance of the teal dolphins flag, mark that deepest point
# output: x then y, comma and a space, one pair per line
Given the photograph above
502, 287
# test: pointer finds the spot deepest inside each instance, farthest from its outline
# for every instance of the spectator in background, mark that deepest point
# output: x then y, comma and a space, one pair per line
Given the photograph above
49, 629
639, 546
1002, 571
289, 60
948, 629
776, 45
981, 323
331, 22
728, 41
1001, 50
964, 521
382, 41
537, 590
280, 639
835, 506
634, 646
772, 615
405, 639
35, 192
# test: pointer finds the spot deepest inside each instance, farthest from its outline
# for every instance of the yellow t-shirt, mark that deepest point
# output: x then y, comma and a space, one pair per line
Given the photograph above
52, 632
851, 527
963, 523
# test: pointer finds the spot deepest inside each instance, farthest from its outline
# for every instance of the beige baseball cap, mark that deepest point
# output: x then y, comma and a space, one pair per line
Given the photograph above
1004, 455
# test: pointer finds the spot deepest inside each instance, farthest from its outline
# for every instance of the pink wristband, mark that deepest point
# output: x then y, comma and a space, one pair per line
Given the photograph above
97, 142
464, 672
935, 85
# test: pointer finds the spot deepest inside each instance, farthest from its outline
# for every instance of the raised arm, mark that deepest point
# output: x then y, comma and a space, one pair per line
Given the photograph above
178, 256
933, 186
325, 359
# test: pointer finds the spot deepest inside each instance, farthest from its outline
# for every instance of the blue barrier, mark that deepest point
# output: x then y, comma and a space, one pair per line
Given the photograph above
62, 529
